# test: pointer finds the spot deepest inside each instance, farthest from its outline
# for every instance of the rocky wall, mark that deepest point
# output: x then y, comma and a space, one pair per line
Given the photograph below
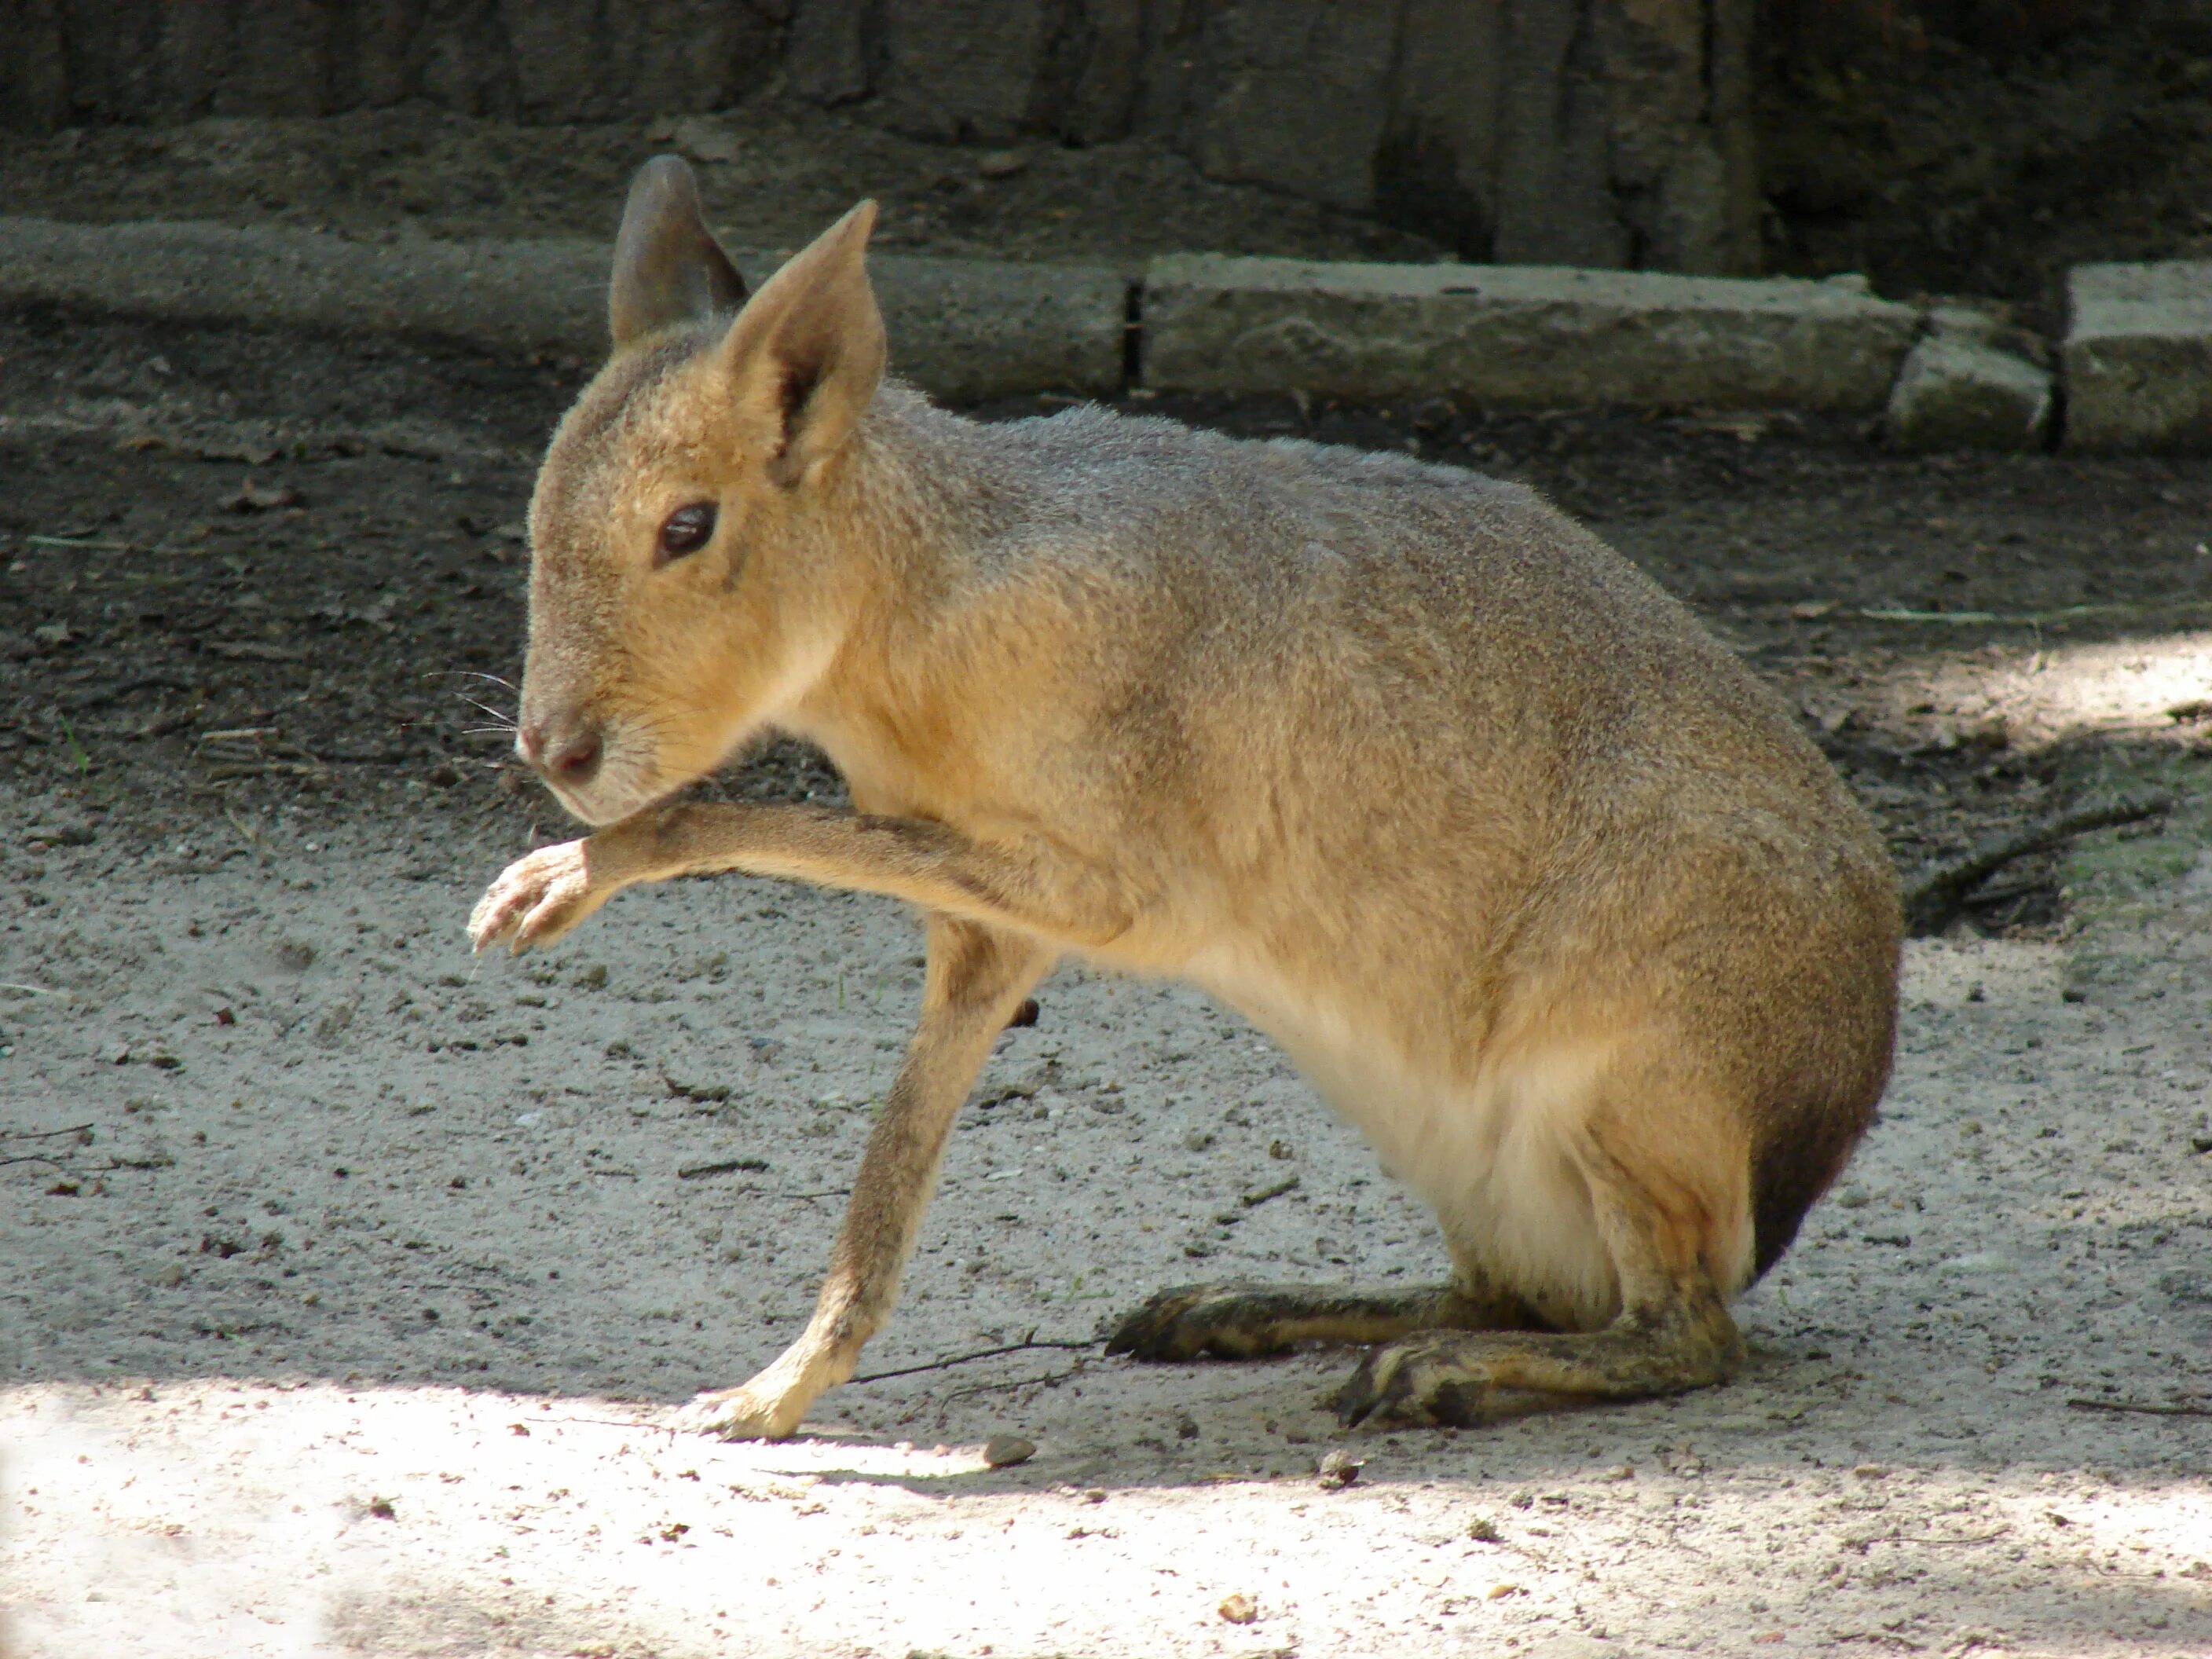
1592, 132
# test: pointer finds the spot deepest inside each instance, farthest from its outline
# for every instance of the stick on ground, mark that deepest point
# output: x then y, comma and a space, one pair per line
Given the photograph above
1937, 893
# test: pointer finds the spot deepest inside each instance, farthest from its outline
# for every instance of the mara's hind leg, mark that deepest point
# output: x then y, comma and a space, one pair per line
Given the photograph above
1678, 1237
1244, 1321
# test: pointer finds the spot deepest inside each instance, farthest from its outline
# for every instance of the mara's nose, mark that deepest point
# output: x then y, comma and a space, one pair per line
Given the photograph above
568, 755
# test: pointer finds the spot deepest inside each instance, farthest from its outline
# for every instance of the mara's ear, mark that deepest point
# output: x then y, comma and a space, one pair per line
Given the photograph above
808, 349
668, 267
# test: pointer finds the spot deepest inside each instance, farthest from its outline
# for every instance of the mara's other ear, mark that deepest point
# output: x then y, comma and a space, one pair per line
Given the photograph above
668, 267
808, 347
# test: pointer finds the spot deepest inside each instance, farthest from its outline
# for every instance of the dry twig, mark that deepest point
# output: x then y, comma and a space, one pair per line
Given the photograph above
1936, 894
1029, 1341
2144, 1408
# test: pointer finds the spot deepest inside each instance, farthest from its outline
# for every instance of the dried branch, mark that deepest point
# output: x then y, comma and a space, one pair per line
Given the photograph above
1046, 1379
1936, 894
2146, 1409
1028, 1342
725, 1166
1260, 1195
1924, 1538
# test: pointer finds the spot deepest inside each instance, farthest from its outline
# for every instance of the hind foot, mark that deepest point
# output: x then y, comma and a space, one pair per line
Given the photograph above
1244, 1321
1466, 1379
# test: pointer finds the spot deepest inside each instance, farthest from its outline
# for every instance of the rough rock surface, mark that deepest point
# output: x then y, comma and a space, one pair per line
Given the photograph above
1514, 336
1962, 389
2139, 356
1605, 132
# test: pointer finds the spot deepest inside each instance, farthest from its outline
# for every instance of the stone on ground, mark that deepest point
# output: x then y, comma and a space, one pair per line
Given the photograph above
2139, 356
1530, 337
1962, 389
960, 328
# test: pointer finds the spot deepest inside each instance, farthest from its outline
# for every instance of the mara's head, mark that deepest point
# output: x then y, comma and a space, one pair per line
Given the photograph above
679, 597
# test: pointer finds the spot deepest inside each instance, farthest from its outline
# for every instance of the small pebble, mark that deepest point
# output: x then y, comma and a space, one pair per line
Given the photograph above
1003, 1451
251, 497
705, 141
1339, 1468
1239, 1609
1000, 163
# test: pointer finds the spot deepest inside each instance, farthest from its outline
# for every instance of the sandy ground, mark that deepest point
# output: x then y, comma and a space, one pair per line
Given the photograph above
350, 1278
346, 1323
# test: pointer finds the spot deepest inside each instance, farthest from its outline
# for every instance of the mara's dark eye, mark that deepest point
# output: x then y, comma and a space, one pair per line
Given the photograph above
687, 530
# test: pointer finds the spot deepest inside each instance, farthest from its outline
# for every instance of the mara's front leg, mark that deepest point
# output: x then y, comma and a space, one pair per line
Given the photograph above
977, 977
1037, 888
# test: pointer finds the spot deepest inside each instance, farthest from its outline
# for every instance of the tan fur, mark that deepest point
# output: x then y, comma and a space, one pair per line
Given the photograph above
1542, 890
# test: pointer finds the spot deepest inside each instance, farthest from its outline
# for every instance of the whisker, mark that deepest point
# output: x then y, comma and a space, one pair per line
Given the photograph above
468, 674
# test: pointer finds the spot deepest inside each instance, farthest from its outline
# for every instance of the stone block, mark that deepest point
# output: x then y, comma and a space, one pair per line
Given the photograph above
501, 297
1957, 392
1529, 336
966, 329
2139, 356
962, 329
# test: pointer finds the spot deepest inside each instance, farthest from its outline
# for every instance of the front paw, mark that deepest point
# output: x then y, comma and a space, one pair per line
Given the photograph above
537, 898
743, 1414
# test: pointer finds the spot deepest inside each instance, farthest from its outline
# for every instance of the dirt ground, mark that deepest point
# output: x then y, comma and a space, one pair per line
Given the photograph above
351, 1277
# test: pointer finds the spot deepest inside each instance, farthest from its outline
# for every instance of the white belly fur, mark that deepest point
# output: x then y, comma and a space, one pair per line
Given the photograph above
1488, 1150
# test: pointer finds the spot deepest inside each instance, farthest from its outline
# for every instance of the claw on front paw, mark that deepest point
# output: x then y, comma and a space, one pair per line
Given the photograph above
739, 1414
535, 899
